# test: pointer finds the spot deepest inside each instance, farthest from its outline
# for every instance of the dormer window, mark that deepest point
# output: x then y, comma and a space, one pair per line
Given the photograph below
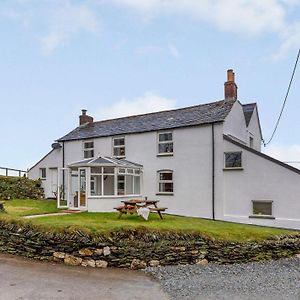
88, 149
165, 143
119, 147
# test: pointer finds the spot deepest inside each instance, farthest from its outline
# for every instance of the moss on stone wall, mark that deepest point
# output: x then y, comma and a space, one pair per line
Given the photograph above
136, 248
20, 188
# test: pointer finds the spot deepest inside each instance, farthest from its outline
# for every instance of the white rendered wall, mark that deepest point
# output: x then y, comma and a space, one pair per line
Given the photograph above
261, 179
52, 160
191, 164
253, 130
106, 204
235, 124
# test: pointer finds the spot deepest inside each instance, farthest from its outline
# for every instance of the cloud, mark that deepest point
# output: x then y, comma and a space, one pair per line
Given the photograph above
285, 153
250, 17
67, 21
149, 102
290, 37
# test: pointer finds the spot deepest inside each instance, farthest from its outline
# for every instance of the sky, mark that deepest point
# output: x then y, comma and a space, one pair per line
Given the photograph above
124, 57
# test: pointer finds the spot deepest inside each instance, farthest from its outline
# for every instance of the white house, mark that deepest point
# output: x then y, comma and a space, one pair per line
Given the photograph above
201, 161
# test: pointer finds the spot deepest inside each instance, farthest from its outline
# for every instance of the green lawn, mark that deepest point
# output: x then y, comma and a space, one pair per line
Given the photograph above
105, 222
24, 207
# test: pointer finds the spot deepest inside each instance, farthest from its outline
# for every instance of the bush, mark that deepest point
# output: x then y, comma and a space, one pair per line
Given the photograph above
20, 188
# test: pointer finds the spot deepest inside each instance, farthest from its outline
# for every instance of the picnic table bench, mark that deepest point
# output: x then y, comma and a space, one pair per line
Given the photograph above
131, 207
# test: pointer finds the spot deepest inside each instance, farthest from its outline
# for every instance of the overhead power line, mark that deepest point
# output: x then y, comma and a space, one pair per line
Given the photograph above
284, 102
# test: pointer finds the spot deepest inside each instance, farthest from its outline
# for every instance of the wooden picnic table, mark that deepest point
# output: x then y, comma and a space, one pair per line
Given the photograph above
131, 206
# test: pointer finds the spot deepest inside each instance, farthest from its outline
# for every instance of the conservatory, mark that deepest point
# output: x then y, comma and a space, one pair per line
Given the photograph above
97, 184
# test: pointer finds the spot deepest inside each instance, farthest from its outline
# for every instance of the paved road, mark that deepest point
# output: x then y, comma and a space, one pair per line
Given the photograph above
32, 280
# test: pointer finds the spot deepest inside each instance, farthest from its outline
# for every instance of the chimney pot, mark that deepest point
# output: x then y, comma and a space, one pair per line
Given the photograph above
230, 87
84, 118
230, 75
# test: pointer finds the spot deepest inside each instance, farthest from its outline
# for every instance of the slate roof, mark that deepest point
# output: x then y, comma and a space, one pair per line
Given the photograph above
183, 117
105, 161
248, 111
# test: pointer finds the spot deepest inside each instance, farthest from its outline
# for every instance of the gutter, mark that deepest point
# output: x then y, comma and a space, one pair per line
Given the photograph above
213, 170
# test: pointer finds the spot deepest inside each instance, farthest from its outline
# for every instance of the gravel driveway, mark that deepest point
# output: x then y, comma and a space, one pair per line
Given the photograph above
274, 280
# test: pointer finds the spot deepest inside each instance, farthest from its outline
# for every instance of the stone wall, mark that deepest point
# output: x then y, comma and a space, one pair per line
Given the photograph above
136, 248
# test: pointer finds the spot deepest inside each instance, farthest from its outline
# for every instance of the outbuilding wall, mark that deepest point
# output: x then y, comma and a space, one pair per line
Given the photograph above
52, 161
261, 179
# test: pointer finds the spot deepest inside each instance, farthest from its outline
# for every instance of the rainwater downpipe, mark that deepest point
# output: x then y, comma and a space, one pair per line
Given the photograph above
213, 169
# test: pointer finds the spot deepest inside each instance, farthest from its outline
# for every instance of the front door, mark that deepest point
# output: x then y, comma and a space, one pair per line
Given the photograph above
54, 179
82, 183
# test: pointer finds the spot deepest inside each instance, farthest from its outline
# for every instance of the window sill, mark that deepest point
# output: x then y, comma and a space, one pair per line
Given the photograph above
112, 196
164, 154
233, 169
164, 194
262, 217
119, 156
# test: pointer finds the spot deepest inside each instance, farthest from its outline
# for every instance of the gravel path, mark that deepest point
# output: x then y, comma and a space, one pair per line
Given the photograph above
276, 280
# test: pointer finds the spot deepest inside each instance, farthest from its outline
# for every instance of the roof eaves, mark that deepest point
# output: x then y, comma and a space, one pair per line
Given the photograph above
276, 161
41, 159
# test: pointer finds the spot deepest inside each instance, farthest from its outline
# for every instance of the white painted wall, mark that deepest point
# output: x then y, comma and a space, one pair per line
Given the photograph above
253, 130
261, 179
51, 162
191, 165
235, 124
106, 204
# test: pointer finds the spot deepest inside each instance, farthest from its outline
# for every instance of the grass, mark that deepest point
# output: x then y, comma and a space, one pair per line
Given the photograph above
106, 222
25, 207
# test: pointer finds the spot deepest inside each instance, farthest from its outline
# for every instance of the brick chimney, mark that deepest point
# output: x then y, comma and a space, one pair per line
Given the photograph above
230, 86
84, 118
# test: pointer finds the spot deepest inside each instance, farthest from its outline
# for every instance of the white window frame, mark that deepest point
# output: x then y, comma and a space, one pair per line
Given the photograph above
164, 181
233, 168
125, 172
262, 215
41, 173
88, 149
118, 146
165, 142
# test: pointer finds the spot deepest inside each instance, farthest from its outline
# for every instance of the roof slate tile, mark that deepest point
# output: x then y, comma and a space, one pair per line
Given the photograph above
183, 117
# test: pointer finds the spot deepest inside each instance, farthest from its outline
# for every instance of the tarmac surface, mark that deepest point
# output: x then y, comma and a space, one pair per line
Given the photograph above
24, 279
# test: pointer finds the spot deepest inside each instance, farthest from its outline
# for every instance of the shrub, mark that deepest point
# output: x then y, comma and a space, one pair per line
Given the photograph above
20, 188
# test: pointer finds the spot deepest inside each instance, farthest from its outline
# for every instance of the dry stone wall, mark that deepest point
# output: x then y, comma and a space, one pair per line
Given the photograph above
136, 249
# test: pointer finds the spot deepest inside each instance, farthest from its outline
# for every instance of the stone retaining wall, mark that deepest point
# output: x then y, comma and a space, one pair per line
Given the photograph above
136, 248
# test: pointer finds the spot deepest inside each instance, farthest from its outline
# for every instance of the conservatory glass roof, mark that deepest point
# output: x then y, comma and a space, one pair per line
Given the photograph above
104, 162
